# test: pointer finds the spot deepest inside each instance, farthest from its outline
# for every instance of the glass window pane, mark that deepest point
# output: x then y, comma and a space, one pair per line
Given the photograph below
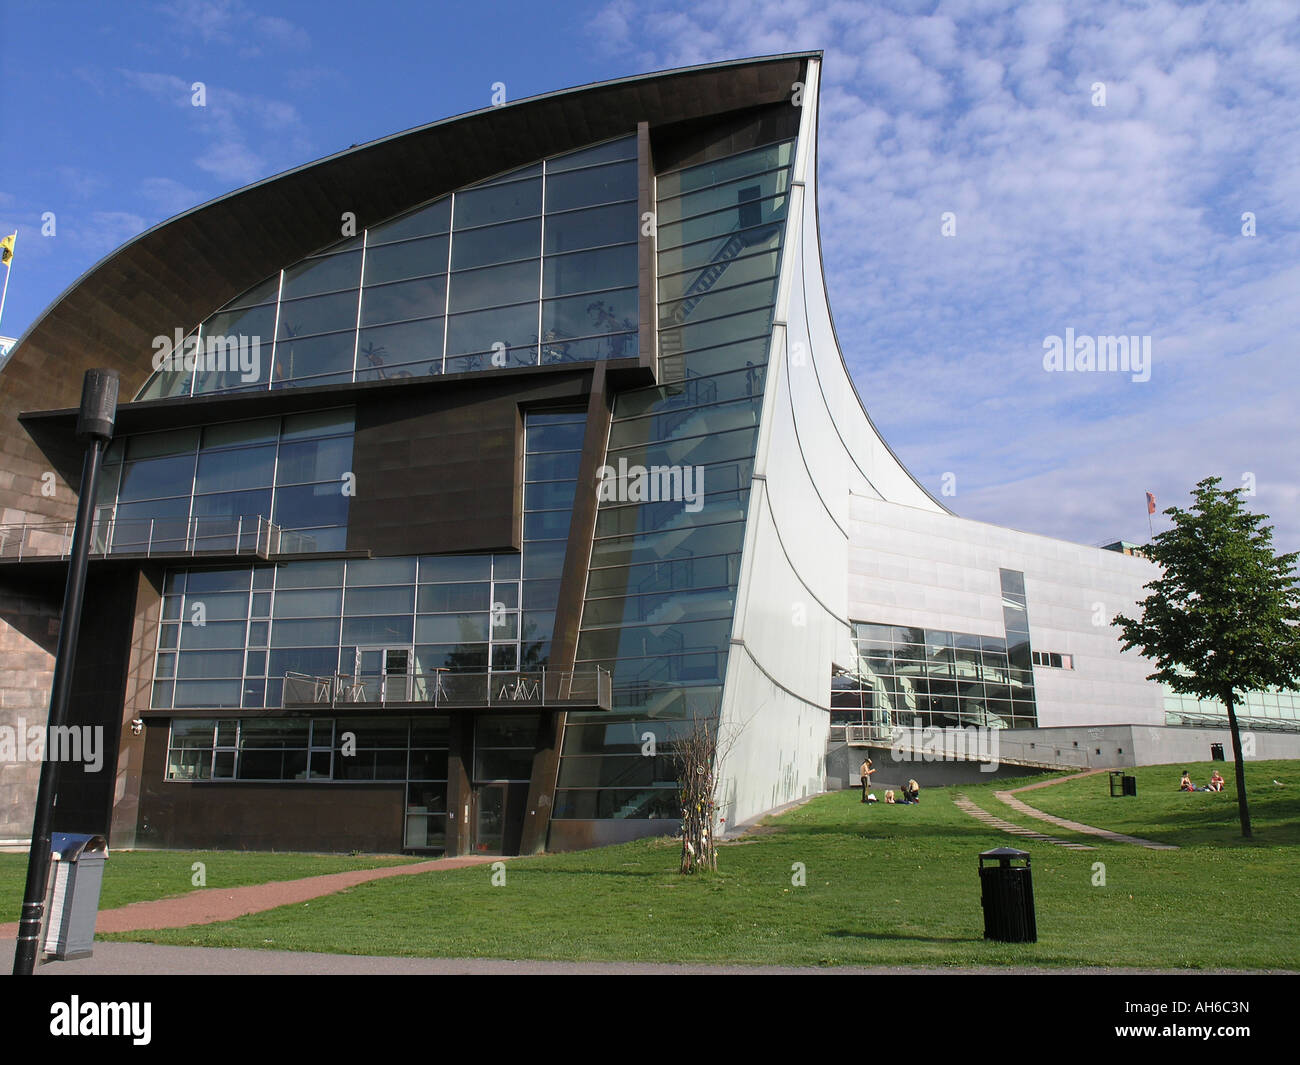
256, 322
498, 203
326, 602
153, 478
327, 274
434, 218
317, 423
586, 188
592, 228
423, 298
377, 630
234, 434
549, 494
399, 599
445, 568
452, 628
552, 466
417, 346
478, 331
305, 633
494, 286
207, 665
439, 598
414, 258
309, 505
154, 445
728, 169
223, 471
330, 354
623, 148
309, 575
217, 635
377, 571
591, 270
320, 314
609, 312
500, 244
314, 460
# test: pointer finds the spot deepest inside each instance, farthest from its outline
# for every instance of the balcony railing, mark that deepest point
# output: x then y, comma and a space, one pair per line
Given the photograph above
146, 537
542, 687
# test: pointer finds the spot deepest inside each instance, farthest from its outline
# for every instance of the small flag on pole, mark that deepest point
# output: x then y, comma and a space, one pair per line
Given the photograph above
1151, 503
7, 249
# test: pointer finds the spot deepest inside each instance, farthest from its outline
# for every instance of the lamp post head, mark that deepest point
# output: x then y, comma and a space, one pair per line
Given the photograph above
98, 405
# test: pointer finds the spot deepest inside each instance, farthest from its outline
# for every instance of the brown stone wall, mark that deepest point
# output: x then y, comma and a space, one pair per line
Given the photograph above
28, 637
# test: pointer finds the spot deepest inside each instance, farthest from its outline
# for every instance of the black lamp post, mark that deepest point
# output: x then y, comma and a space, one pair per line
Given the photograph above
95, 426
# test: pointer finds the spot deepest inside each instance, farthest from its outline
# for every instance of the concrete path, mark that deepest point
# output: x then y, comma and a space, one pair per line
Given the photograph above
150, 959
964, 804
1010, 799
210, 905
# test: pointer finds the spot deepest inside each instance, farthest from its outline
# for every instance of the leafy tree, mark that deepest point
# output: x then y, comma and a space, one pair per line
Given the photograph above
1222, 617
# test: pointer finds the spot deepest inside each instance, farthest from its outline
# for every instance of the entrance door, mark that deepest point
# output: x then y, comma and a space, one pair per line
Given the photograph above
385, 673
489, 818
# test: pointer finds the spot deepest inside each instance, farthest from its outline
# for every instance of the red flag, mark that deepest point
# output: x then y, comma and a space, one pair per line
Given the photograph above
1151, 503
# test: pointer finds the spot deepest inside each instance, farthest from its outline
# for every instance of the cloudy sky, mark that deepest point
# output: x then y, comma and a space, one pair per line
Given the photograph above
1101, 167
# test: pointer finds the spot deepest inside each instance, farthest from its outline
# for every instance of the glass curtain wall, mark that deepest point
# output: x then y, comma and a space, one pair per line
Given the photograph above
929, 678
532, 267
210, 489
661, 589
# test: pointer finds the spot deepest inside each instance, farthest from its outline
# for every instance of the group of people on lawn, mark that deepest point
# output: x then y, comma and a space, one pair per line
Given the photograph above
911, 793
1216, 783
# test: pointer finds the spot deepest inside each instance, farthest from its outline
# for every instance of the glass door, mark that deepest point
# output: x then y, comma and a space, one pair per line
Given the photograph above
489, 818
383, 674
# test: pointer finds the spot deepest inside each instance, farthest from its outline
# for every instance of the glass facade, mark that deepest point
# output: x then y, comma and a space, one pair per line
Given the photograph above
661, 589
532, 267
1269, 711
906, 675
229, 636
211, 489
325, 750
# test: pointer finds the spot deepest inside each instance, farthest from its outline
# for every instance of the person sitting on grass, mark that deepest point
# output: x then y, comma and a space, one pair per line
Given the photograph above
889, 796
911, 792
1216, 781
1186, 783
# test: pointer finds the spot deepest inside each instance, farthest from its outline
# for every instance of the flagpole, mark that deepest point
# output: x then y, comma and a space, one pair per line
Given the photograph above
9, 267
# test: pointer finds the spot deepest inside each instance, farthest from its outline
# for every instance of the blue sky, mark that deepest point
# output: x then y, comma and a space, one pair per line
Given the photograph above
1123, 219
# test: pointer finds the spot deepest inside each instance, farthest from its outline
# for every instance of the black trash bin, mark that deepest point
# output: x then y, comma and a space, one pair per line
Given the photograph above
1216, 752
1131, 786
1117, 783
1007, 895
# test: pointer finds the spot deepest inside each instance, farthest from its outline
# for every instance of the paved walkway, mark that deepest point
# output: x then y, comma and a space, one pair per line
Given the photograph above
210, 905
964, 804
135, 959
1010, 799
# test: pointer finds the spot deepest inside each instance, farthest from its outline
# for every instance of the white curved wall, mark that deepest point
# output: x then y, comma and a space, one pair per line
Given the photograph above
816, 447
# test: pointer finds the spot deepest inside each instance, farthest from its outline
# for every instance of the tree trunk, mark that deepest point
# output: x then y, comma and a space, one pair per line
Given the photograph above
1242, 808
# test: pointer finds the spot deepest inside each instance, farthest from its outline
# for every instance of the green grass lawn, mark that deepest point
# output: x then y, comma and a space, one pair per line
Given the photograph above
892, 885
134, 876
1161, 812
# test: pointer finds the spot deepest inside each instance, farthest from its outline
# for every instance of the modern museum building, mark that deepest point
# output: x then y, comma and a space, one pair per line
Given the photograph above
457, 473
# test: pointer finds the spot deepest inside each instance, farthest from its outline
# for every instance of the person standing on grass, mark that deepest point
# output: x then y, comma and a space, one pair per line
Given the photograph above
866, 772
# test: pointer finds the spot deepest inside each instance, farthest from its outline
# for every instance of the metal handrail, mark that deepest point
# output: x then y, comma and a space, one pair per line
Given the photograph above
443, 688
149, 536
